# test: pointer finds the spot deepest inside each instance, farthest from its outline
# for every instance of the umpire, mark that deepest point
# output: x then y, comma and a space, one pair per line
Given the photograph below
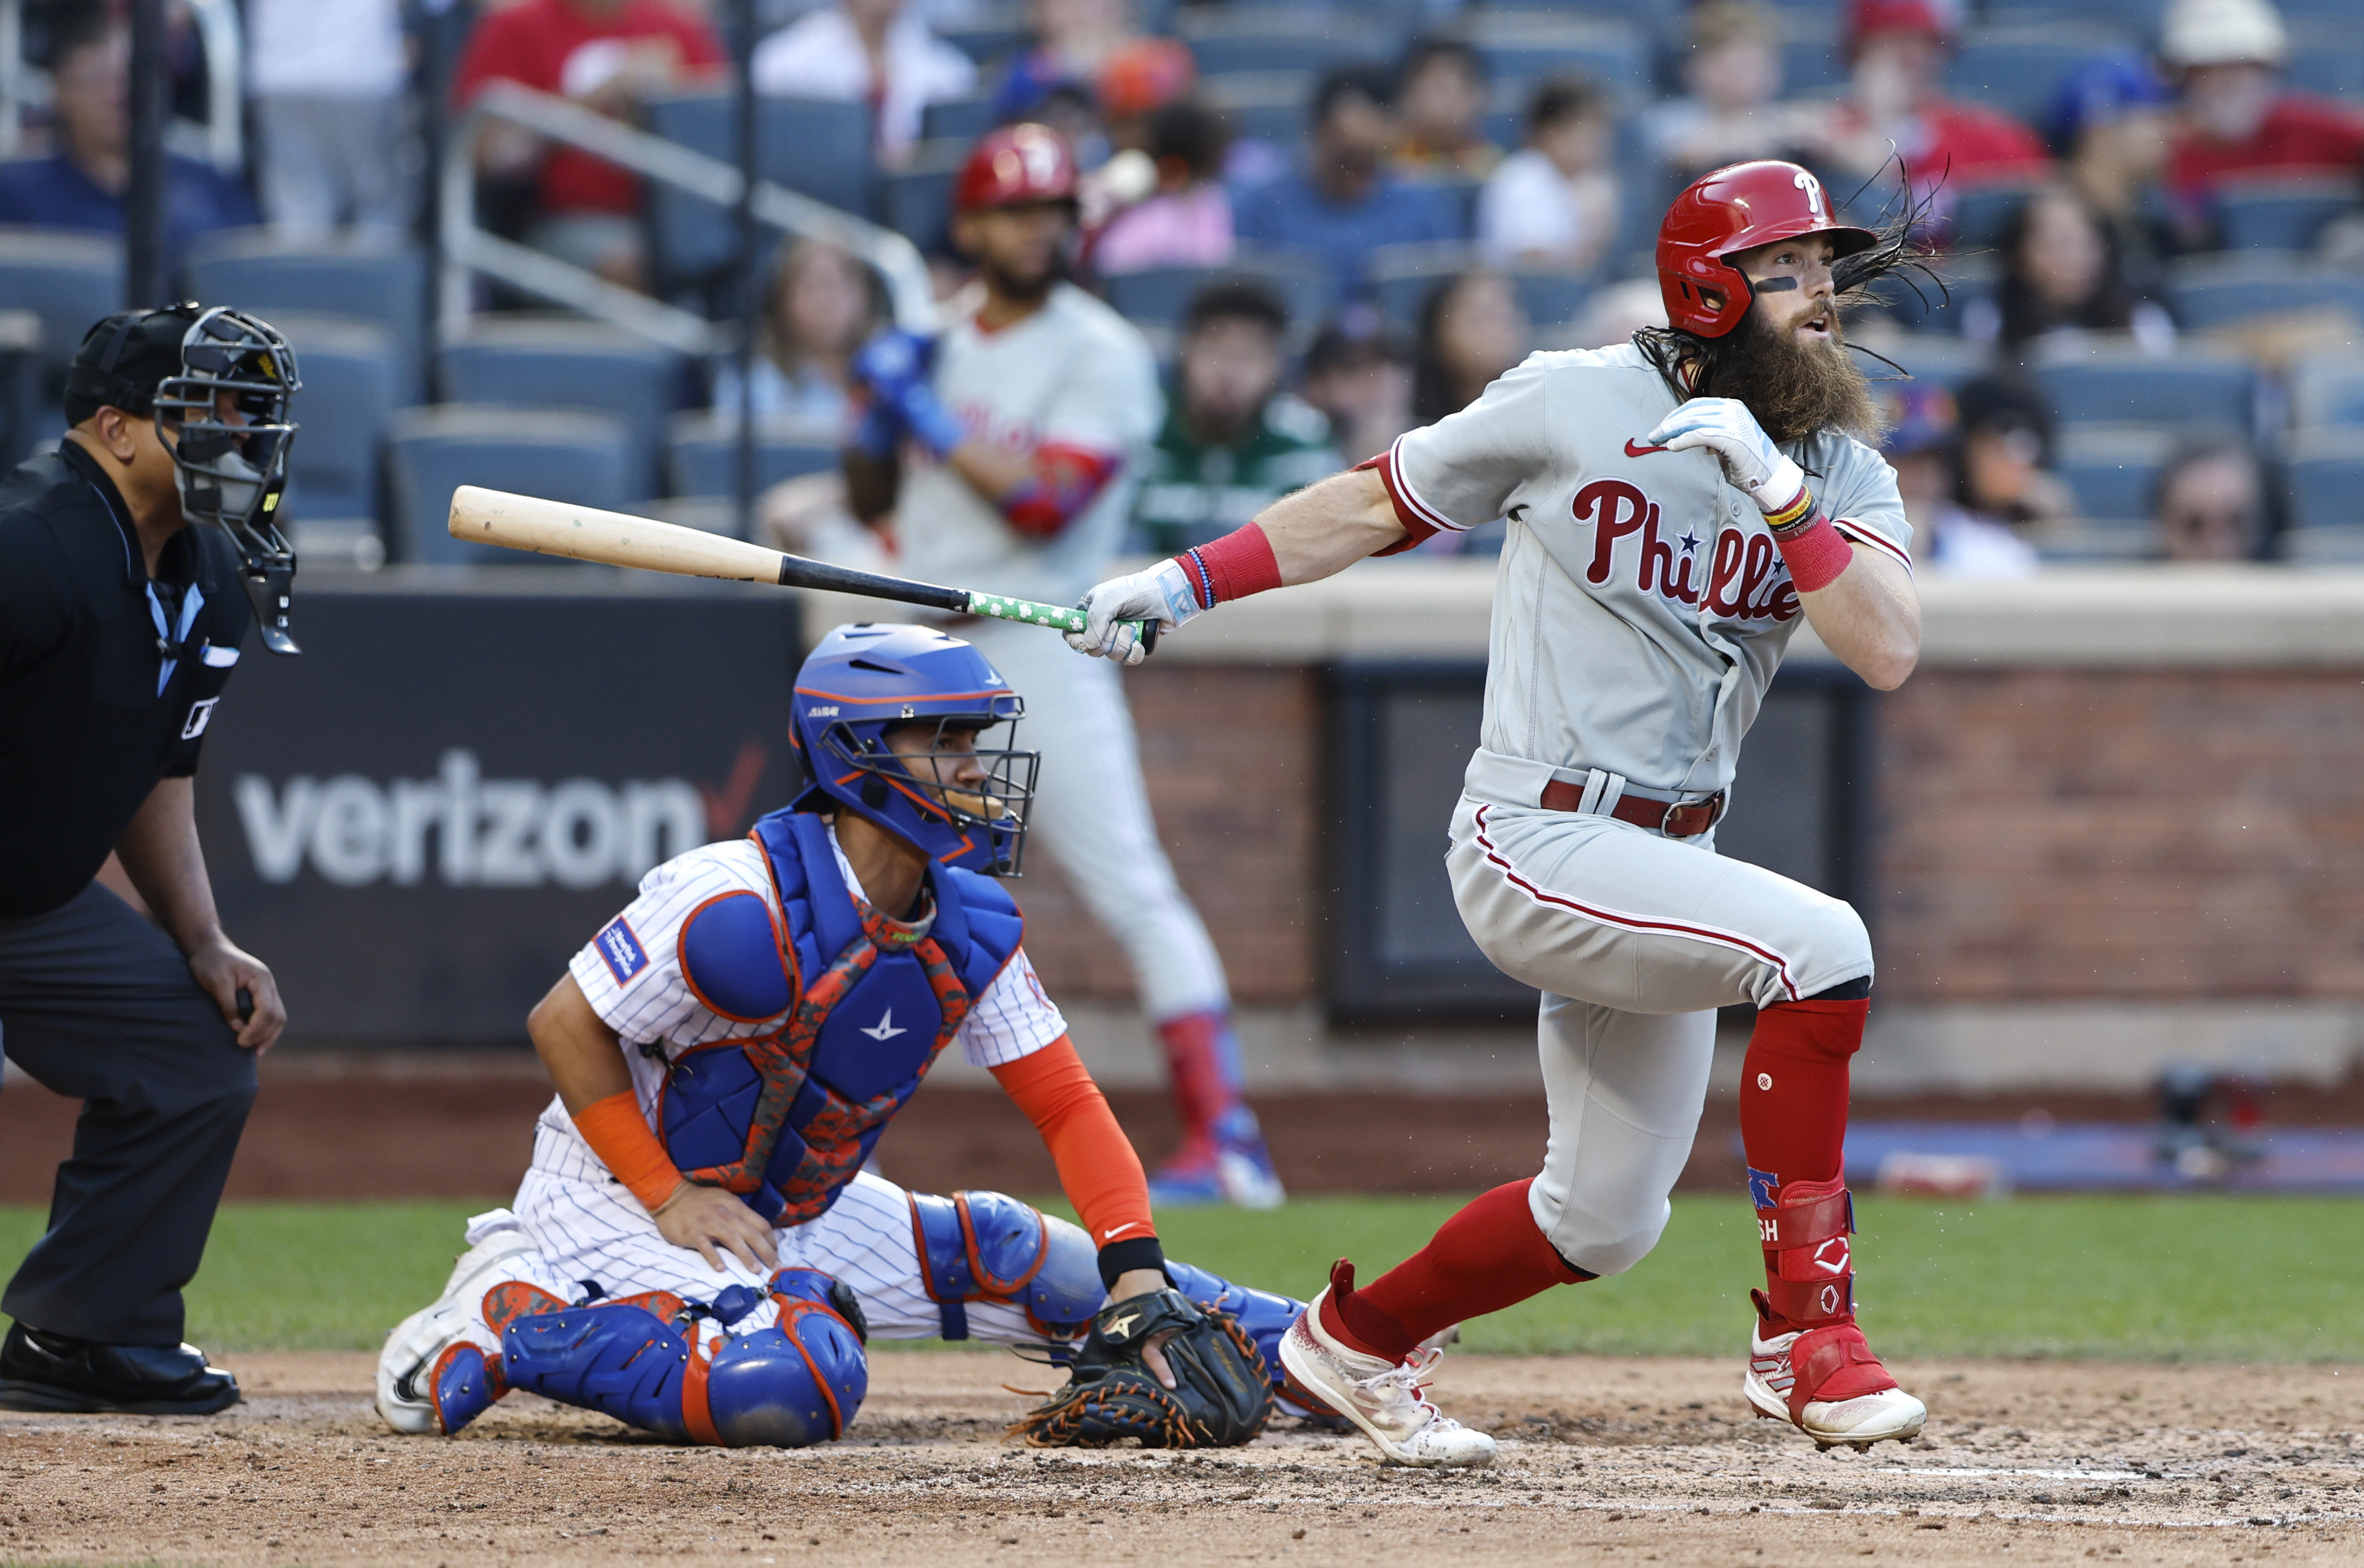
119, 626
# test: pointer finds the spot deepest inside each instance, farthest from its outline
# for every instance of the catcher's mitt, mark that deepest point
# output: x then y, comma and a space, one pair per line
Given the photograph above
1221, 1398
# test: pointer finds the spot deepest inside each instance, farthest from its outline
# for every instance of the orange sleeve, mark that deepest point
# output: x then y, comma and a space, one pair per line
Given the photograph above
620, 1134
1097, 1168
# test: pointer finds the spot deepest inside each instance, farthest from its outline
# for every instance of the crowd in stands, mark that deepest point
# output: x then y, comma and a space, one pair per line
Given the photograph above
1375, 208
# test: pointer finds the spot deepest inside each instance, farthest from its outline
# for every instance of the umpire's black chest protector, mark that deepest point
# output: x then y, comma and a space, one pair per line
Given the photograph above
107, 680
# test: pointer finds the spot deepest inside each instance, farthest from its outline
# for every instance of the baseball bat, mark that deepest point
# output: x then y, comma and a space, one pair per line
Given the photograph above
582, 534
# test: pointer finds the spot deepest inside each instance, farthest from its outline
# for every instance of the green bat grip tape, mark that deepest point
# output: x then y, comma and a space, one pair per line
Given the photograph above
1058, 618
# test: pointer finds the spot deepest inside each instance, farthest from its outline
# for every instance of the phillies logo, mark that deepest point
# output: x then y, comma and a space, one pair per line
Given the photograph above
1746, 578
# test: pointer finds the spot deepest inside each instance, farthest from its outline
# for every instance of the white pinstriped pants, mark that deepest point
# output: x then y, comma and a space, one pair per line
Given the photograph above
1634, 940
1091, 812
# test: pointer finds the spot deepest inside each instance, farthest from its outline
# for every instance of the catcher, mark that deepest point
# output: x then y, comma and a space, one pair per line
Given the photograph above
696, 1249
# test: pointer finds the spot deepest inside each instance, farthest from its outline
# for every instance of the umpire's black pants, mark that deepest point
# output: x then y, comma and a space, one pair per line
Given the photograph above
98, 1003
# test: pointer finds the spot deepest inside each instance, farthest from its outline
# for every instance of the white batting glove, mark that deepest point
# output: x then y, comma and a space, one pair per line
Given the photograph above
1725, 427
1162, 594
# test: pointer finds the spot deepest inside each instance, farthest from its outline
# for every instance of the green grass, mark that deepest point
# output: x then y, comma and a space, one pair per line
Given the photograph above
2166, 1277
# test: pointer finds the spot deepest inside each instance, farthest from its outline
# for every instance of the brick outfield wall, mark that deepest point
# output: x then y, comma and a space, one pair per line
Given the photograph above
2043, 835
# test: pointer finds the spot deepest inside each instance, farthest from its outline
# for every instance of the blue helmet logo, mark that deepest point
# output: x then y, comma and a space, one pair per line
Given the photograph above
866, 680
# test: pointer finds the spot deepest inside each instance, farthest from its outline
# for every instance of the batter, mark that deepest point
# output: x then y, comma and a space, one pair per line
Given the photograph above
1676, 508
1026, 425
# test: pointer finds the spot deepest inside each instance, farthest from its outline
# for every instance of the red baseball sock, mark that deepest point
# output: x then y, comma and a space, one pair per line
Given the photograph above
1486, 1258
1793, 1101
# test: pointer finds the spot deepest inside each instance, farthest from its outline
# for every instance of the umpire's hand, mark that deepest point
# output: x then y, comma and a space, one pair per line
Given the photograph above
225, 970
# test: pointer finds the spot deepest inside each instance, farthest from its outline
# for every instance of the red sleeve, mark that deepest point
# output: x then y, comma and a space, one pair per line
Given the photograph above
500, 50
1416, 518
700, 49
1061, 482
1097, 1168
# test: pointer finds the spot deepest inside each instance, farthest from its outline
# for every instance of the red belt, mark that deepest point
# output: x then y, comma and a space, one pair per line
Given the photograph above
1674, 820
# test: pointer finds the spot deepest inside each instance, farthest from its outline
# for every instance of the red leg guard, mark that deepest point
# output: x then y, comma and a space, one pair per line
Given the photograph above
1486, 1258
1810, 1288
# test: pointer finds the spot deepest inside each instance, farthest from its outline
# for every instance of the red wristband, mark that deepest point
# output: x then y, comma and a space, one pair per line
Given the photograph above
1237, 565
1816, 555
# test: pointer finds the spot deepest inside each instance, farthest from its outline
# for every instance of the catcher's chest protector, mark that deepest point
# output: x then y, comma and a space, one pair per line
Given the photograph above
785, 1119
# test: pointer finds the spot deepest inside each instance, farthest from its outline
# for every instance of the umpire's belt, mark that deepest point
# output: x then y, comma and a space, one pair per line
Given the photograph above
1607, 795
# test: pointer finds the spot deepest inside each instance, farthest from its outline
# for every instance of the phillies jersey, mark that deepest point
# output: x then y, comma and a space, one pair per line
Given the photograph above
1075, 372
1641, 606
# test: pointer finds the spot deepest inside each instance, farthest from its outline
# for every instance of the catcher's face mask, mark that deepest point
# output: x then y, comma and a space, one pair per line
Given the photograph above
224, 419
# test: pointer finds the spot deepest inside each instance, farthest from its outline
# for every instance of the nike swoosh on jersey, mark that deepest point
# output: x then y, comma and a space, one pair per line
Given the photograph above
884, 1029
1115, 1231
1634, 450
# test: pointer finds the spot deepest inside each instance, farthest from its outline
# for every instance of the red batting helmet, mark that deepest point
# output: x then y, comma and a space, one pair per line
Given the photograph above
1734, 209
1013, 165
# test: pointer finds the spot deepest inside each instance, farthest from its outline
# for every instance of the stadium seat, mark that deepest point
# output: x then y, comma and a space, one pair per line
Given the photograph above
2212, 291
702, 454
2095, 544
563, 454
990, 37
1982, 212
2325, 473
1938, 359
1528, 47
1243, 38
70, 279
1403, 276
2333, 546
916, 201
352, 375
1262, 105
2117, 386
816, 146
956, 120
1158, 296
1918, 304
347, 273
564, 362
1811, 62
2018, 68
2327, 54
2329, 390
2286, 214
2112, 468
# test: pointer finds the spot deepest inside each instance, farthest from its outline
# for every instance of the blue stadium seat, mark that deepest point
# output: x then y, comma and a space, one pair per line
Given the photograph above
559, 454
2112, 468
562, 363
1982, 212
989, 37
351, 387
1523, 47
1262, 105
1810, 60
916, 201
2324, 469
70, 279
2327, 54
2288, 214
2018, 68
1158, 296
702, 453
2211, 291
1938, 359
1918, 304
1403, 276
348, 274
816, 146
1225, 38
2123, 387
956, 120
2329, 390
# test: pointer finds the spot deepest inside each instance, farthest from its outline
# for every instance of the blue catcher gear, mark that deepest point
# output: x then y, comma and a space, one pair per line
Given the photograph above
866, 679
791, 1385
990, 1247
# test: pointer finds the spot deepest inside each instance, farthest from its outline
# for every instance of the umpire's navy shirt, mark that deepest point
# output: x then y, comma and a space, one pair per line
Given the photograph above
107, 680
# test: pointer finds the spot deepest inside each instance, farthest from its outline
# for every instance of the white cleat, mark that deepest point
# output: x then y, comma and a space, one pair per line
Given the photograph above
1383, 1398
1859, 1422
418, 1339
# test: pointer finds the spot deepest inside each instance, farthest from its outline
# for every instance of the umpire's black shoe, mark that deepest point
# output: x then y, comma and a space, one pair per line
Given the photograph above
40, 1371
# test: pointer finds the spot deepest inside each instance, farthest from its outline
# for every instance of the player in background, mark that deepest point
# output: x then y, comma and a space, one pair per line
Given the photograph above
1677, 507
1007, 450
695, 1250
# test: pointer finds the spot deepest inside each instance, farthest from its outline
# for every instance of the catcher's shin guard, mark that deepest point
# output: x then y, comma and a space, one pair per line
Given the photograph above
1263, 1317
990, 1247
1808, 1363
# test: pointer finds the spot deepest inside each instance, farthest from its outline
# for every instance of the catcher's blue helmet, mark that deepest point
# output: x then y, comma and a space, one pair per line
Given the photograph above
866, 679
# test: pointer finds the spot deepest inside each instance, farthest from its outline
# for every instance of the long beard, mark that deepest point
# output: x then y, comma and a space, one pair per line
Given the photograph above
1796, 388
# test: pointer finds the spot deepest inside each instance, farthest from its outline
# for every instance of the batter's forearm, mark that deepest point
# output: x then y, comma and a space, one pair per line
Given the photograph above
1870, 618
161, 854
1323, 529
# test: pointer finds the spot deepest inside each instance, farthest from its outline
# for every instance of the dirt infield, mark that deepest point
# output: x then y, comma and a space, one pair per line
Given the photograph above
1602, 1459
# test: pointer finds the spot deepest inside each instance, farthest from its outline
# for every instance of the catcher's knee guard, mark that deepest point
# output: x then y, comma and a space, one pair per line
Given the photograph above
990, 1247
1263, 1317
791, 1385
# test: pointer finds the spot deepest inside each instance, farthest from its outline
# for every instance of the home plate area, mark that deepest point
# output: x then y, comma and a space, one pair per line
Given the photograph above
1602, 1459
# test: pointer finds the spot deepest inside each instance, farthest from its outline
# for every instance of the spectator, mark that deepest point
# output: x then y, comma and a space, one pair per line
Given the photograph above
874, 51
608, 55
2109, 128
2210, 502
81, 184
1894, 110
824, 304
2064, 275
1948, 538
1443, 96
1233, 441
329, 80
1342, 204
1357, 381
1472, 329
2002, 458
1074, 42
1140, 79
1553, 202
2238, 119
1730, 112
1187, 220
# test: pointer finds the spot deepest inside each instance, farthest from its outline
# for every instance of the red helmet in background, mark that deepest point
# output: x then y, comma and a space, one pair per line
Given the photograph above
1734, 210
1014, 165
1866, 19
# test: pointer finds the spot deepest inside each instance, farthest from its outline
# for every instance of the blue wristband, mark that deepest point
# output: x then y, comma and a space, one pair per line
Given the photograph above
929, 420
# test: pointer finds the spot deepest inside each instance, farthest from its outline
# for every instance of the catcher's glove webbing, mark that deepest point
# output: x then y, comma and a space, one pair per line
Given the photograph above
1221, 1398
